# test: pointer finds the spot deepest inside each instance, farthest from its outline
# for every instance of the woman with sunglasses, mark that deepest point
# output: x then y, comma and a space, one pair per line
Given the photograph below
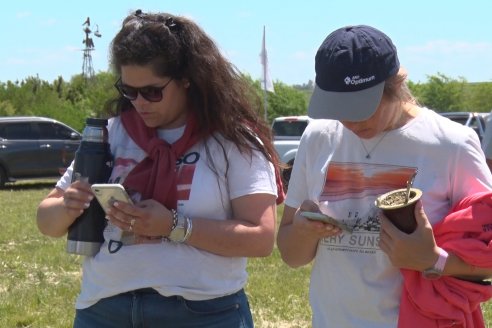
198, 162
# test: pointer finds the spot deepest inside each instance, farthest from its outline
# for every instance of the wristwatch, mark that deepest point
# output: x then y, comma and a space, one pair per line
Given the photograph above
179, 231
436, 271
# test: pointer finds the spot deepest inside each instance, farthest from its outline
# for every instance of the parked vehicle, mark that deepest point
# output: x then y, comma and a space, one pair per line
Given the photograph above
287, 132
35, 147
472, 119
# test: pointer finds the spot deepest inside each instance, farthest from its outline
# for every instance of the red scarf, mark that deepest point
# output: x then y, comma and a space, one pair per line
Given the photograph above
160, 163
155, 176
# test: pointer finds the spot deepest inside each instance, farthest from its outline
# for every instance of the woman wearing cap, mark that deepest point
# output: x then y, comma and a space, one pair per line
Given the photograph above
198, 162
372, 136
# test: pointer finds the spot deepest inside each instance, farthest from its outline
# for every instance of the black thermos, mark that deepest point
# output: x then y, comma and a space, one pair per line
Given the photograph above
93, 161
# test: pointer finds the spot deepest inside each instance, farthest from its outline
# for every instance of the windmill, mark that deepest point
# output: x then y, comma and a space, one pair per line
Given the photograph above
87, 69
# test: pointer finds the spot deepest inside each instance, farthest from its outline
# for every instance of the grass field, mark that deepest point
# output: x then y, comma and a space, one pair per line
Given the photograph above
39, 280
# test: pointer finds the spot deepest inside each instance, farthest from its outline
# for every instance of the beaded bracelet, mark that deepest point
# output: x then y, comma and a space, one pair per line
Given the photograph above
175, 218
188, 227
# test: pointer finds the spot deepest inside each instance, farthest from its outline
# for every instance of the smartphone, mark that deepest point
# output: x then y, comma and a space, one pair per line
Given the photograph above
107, 193
327, 219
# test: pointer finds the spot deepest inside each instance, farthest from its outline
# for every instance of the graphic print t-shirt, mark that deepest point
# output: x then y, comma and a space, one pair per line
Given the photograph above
353, 284
348, 194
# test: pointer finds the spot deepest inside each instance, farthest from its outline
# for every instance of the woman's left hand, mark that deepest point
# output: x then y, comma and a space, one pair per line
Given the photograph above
415, 251
147, 218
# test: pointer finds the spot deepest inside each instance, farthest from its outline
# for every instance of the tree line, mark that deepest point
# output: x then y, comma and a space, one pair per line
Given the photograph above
72, 101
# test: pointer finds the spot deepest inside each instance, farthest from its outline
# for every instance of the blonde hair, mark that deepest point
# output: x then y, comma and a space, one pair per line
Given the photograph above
396, 88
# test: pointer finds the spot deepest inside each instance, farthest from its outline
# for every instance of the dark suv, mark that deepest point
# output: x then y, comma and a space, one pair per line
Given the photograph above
35, 147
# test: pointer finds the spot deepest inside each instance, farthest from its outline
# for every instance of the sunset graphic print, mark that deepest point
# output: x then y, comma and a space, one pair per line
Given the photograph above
348, 194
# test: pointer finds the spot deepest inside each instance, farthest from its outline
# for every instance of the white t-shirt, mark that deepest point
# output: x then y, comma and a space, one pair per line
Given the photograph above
353, 283
177, 269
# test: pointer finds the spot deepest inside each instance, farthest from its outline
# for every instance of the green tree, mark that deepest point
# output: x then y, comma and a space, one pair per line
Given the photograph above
6, 108
478, 97
285, 101
441, 93
73, 101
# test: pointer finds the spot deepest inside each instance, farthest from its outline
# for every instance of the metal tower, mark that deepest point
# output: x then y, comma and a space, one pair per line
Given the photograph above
87, 69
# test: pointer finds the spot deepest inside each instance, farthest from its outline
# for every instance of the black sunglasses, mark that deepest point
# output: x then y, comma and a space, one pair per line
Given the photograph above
149, 93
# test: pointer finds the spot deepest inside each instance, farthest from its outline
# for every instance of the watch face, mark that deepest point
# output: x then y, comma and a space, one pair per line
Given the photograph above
179, 231
432, 274
177, 234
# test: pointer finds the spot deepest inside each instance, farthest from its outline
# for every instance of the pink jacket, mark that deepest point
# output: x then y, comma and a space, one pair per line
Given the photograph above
450, 302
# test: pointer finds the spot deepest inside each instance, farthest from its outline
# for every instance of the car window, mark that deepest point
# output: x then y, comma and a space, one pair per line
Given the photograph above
63, 132
474, 124
18, 131
54, 131
461, 120
289, 128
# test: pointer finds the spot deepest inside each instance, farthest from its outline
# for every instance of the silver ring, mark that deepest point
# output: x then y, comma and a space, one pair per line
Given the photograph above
132, 223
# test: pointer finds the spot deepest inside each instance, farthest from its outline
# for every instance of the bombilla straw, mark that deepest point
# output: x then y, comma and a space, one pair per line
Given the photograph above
409, 186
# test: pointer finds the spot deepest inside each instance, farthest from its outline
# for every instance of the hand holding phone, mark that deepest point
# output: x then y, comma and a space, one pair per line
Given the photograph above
108, 193
327, 219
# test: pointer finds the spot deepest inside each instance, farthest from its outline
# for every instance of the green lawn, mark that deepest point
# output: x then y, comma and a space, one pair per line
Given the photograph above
39, 280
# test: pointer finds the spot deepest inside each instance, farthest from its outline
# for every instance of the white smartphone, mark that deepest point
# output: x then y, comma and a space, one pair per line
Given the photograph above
327, 219
108, 193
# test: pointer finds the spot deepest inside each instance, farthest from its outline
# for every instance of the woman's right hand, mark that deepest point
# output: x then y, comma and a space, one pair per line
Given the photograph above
311, 228
298, 237
60, 209
77, 197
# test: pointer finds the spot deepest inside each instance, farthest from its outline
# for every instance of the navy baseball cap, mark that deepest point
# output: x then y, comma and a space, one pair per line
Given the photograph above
351, 67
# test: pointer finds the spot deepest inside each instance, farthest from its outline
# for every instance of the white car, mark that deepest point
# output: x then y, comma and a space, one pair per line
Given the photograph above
287, 132
474, 120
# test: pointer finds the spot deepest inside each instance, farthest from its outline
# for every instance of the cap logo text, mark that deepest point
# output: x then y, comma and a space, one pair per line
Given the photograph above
356, 79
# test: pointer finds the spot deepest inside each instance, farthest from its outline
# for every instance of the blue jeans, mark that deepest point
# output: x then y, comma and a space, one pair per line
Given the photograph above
145, 308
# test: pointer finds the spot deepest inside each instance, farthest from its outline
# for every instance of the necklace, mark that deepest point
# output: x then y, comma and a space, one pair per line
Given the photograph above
368, 152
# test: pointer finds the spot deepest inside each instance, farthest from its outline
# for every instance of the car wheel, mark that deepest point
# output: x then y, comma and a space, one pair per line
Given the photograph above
3, 177
286, 175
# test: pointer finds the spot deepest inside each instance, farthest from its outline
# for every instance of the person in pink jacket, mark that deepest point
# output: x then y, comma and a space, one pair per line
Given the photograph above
431, 303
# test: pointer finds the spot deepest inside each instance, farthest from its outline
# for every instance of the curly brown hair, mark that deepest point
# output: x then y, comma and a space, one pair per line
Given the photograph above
222, 100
